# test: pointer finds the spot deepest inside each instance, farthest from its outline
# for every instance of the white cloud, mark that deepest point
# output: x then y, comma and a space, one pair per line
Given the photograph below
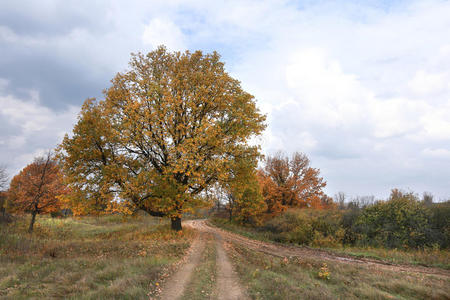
163, 32
363, 89
30, 128
440, 153
424, 83
371, 93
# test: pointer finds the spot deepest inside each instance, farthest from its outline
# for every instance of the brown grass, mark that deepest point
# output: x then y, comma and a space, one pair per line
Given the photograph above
269, 277
87, 258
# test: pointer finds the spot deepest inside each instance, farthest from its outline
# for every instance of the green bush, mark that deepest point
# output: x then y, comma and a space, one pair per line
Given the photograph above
403, 221
440, 224
400, 222
307, 227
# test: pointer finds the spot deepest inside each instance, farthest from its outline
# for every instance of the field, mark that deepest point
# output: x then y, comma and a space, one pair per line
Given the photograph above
277, 271
269, 277
430, 257
107, 257
113, 257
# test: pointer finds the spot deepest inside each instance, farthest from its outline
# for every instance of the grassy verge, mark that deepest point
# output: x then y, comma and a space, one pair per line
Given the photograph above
204, 279
86, 258
268, 277
426, 257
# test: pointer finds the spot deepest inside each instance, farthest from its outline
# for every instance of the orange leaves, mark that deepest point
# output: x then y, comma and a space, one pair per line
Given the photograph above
38, 187
166, 131
290, 182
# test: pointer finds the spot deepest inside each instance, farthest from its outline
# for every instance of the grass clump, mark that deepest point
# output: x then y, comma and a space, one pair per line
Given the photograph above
87, 258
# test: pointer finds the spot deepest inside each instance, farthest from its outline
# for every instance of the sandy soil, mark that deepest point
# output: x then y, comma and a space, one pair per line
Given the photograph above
227, 283
174, 287
227, 286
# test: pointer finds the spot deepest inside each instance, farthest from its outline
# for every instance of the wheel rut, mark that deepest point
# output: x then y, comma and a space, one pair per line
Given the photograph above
176, 284
227, 284
293, 251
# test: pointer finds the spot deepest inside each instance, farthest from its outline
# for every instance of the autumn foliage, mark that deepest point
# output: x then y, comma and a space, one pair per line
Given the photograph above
290, 182
37, 188
244, 200
168, 128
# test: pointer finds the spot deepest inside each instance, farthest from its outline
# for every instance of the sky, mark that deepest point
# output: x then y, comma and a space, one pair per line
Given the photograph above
361, 87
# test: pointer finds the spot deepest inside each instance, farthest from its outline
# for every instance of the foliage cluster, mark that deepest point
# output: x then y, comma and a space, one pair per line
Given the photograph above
401, 222
167, 130
284, 182
306, 227
288, 182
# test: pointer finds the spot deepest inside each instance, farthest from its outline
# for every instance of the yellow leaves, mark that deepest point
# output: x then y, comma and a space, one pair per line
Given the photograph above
167, 129
324, 272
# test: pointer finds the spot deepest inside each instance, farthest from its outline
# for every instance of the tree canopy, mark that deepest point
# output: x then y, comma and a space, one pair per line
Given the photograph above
167, 129
290, 182
37, 188
243, 194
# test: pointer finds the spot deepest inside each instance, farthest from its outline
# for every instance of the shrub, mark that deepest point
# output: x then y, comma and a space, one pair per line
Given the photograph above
307, 226
400, 222
440, 224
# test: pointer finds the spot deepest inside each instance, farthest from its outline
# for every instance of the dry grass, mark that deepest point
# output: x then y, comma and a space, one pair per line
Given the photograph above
87, 258
431, 257
268, 277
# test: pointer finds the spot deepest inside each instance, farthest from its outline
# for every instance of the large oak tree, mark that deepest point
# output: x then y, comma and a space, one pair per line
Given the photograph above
168, 129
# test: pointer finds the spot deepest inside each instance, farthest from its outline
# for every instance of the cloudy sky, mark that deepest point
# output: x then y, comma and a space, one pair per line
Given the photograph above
363, 87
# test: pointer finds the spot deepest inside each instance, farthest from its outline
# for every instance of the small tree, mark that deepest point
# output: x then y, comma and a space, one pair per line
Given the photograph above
290, 182
339, 198
36, 188
427, 199
3, 185
243, 194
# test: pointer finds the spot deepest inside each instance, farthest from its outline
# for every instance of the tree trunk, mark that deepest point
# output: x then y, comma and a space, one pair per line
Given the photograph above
33, 218
176, 223
230, 212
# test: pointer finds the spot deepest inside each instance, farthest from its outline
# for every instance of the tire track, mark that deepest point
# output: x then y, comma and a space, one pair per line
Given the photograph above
293, 251
176, 284
228, 287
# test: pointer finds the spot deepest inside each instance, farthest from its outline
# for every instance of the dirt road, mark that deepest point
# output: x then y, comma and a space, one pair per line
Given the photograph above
294, 251
227, 283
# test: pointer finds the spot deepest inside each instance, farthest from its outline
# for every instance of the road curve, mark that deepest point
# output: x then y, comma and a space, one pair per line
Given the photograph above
294, 251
